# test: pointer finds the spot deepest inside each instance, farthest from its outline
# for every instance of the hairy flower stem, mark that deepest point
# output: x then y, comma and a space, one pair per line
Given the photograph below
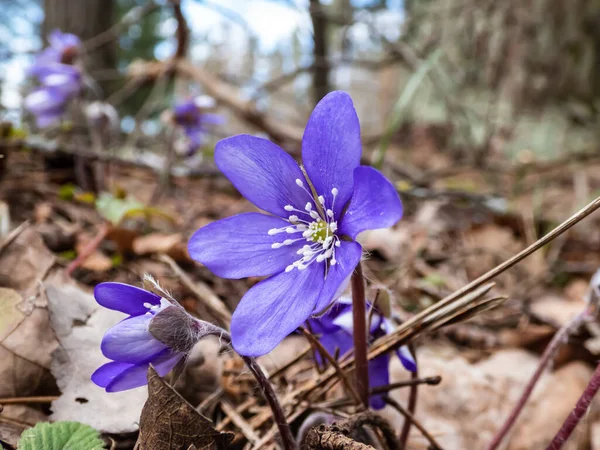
267, 389
559, 338
359, 318
580, 410
278, 415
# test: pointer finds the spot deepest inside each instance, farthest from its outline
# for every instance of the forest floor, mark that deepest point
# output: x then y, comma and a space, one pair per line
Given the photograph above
459, 223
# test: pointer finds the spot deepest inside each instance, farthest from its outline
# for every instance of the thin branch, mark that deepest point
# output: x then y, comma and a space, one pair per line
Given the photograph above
293, 362
410, 418
580, 410
134, 15
324, 353
240, 422
24, 400
201, 290
246, 110
395, 339
412, 402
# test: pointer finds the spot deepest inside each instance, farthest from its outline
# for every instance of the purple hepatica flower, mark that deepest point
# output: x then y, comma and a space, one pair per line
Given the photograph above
158, 332
308, 243
59, 84
64, 48
335, 330
195, 123
47, 105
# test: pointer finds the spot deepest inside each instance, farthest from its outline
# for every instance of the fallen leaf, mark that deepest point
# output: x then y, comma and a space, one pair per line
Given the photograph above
155, 243
9, 434
97, 261
79, 324
26, 338
24, 262
123, 238
557, 310
169, 422
467, 408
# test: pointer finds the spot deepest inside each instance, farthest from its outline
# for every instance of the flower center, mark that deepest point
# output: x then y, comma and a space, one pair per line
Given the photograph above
320, 231
318, 227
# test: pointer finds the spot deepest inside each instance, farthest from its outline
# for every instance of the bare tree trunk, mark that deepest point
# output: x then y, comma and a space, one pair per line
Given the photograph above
86, 19
321, 63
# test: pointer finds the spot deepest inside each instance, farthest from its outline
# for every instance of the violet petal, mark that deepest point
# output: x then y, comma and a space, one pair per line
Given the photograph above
240, 246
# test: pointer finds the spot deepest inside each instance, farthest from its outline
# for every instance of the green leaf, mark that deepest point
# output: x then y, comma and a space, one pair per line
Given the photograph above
61, 436
67, 191
116, 209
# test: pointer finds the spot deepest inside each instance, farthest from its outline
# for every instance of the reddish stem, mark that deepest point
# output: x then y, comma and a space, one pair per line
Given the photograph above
578, 412
360, 336
412, 402
90, 248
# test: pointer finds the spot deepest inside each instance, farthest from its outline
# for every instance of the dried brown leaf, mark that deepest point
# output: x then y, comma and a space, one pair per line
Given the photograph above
155, 243
26, 338
169, 422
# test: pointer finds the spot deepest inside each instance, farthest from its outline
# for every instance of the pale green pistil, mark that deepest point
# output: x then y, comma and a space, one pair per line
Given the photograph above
320, 231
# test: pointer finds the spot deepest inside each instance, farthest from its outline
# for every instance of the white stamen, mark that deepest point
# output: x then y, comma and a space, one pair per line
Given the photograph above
148, 305
318, 228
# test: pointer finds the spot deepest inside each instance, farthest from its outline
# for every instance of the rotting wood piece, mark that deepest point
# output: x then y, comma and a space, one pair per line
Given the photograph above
339, 436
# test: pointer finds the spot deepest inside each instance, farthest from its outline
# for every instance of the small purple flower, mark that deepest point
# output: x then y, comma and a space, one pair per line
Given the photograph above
64, 48
47, 105
308, 245
195, 122
59, 84
158, 331
335, 330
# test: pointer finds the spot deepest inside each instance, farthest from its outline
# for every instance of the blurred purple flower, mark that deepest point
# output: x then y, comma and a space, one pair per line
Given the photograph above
195, 122
64, 48
47, 105
335, 330
59, 83
308, 243
158, 332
